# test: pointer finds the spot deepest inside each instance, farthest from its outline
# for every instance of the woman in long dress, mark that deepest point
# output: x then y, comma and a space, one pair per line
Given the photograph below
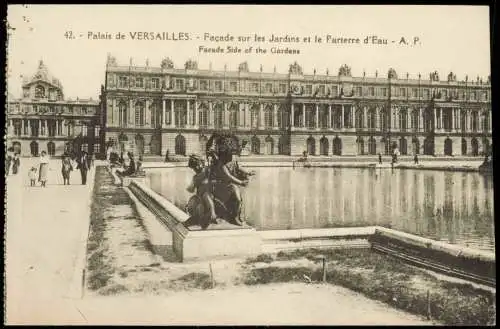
44, 168
66, 169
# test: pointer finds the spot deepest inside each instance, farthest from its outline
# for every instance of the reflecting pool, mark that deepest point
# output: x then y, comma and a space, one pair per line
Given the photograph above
456, 207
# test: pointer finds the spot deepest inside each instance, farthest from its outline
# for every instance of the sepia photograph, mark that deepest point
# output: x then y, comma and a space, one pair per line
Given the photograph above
249, 165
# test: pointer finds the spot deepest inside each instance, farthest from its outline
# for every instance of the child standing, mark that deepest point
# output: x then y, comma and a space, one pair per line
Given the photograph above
33, 176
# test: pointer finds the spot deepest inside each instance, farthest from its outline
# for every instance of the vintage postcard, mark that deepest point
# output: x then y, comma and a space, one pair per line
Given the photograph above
245, 164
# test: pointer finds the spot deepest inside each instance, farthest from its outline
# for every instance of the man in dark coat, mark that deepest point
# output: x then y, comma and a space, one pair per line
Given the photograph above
83, 165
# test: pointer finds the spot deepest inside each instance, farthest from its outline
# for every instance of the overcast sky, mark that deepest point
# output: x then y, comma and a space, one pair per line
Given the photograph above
452, 38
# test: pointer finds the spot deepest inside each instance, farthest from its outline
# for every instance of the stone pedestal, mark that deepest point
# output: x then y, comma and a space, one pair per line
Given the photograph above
191, 244
194, 245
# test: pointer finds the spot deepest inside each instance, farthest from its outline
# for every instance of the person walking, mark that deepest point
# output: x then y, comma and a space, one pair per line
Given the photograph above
44, 168
380, 158
66, 168
415, 158
83, 165
9, 160
16, 162
167, 158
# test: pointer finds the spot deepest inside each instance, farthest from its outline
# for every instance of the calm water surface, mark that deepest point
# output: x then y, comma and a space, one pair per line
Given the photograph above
450, 206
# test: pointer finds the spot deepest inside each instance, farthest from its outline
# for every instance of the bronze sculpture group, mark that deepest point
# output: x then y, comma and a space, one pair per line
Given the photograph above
216, 184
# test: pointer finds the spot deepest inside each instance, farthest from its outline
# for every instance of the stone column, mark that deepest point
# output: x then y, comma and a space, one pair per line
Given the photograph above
435, 119
188, 114
196, 119
365, 119
275, 116
317, 117
421, 119
225, 115
164, 113
377, 118
248, 121
210, 116
441, 116
408, 120
131, 113
45, 128
292, 116
303, 114
342, 118
172, 113
147, 110
22, 127
490, 122
329, 123
39, 127
261, 120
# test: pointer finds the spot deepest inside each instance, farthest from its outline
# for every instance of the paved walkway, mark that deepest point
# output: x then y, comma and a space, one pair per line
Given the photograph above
45, 240
46, 231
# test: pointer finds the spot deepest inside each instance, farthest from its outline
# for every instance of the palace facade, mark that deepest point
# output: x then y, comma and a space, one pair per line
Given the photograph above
153, 110
42, 120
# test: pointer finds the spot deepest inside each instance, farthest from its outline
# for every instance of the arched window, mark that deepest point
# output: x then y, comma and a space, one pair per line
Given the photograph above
361, 145
359, 118
372, 117
268, 117
464, 146
403, 119
203, 116
475, 121
139, 114
337, 146
311, 146
233, 116
323, 116
39, 92
180, 110
403, 146
448, 146
51, 148
463, 121
269, 145
475, 147
122, 114
372, 146
255, 145
254, 117
486, 122
34, 148
382, 119
218, 116
323, 146
414, 119
180, 145
155, 114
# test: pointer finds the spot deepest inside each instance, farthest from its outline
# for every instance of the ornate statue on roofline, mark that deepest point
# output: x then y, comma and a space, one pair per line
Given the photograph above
191, 65
452, 77
434, 76
111, 61
295, 69
392, 74
345, 71
167, 63
243, 67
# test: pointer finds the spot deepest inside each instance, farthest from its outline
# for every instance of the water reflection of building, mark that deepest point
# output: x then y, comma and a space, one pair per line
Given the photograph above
155, 109
43, 120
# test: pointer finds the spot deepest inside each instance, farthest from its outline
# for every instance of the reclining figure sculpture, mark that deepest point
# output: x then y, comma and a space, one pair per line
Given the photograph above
216, 185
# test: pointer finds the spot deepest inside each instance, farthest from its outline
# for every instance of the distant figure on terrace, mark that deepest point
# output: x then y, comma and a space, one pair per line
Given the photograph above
380, 158
415, 158
83, 165
128, 167
167, 158
44, 168
66, 168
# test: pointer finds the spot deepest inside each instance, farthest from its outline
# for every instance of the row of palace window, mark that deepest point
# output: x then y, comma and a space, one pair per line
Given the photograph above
445, 119
50, 128
368, 146
36, 108
51, 148
309, 89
